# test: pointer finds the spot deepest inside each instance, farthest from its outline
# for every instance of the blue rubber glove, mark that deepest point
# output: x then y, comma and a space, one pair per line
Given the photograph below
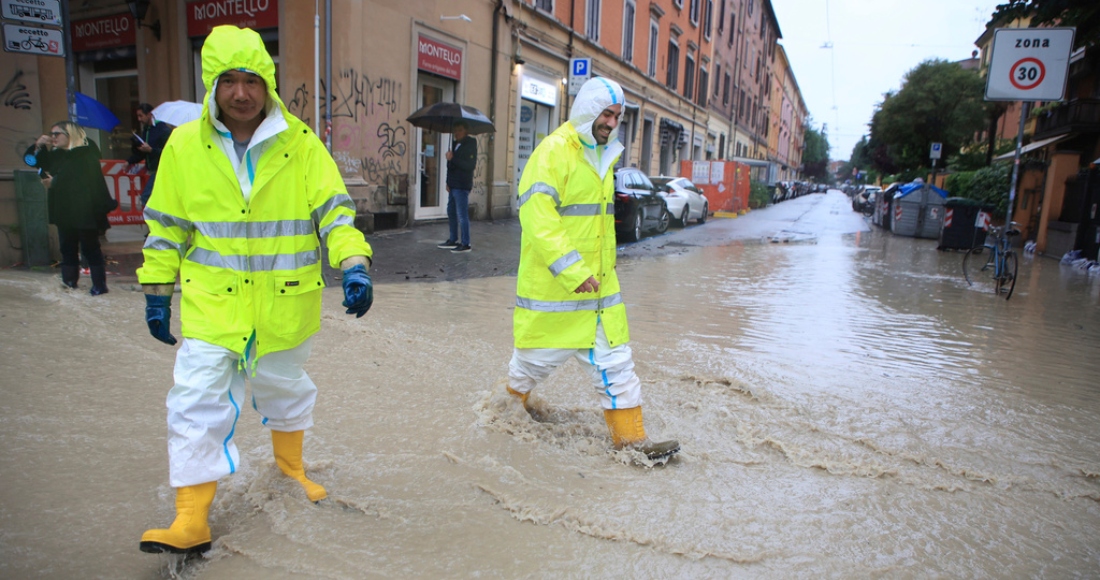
158, 314
358, 291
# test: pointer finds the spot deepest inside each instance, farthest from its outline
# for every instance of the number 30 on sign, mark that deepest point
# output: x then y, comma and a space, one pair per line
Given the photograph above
1027, 73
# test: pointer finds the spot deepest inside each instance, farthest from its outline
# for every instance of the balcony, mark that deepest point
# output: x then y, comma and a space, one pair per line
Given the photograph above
1077, 116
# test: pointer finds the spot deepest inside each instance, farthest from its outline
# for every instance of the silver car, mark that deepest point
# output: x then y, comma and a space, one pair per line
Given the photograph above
684, 200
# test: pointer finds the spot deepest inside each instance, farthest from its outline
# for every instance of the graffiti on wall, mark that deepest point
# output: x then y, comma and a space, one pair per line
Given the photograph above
355, 94
15, 93
371, 139
21, 112
368, 139
299, 104
480, 177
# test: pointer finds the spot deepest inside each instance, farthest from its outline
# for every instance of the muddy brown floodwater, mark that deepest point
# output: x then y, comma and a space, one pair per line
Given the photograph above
847, 407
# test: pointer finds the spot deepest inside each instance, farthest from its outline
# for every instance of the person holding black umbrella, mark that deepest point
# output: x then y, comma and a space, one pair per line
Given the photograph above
461, 161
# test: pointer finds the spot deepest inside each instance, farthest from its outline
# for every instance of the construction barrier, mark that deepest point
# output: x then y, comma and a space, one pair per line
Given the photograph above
125, 187
725, 183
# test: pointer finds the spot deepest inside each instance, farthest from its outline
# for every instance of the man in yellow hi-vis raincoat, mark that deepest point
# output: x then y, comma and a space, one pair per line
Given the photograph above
567, 293
244, 195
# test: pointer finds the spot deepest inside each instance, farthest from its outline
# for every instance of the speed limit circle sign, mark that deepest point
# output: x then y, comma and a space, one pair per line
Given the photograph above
1027, 73
1029, 64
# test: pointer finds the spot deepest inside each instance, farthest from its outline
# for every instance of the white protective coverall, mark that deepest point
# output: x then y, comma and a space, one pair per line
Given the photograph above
244, 235
566, 211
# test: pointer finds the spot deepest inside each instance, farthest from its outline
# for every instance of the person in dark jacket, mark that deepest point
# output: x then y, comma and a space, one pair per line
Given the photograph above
461, 161
78, 199
148, 145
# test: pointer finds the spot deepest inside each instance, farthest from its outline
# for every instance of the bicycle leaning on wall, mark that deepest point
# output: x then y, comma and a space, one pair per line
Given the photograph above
994, 265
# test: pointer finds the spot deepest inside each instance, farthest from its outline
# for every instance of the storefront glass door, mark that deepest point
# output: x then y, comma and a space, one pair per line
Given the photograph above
431, 200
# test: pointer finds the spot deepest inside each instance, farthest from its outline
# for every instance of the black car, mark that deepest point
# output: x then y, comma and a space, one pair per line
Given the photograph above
638, 208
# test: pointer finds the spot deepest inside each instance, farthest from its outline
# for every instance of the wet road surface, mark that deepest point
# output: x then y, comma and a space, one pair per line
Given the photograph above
847, 407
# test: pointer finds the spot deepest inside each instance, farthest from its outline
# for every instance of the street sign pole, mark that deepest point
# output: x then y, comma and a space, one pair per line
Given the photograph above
70, 65
934, 154
1015, 167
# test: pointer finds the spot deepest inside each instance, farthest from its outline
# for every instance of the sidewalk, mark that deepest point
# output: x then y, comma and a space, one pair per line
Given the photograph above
407, 254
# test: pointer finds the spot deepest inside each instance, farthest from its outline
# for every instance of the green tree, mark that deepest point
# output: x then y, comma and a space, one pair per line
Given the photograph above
939, 102
859, 160
1081, 14
815, 157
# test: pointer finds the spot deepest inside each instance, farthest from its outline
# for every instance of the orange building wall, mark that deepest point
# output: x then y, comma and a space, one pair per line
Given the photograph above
1062, 165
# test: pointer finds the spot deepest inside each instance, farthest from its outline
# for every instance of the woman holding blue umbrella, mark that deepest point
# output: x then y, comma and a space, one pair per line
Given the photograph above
78, 199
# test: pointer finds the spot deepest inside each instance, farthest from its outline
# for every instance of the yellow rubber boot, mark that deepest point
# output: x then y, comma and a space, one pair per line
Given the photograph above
190, 532
522, 396
288, 456
628, 430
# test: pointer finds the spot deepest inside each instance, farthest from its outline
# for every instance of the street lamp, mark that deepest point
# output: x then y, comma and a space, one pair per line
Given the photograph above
459, 17
138, 9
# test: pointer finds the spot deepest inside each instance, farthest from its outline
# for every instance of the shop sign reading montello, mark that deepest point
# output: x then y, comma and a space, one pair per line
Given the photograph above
204, 15
110, 31
441, 59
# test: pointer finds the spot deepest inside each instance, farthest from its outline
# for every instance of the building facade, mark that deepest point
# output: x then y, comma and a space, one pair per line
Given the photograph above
695, 74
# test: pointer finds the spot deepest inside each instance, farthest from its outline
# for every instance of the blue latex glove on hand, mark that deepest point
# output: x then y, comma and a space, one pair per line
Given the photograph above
358, 291
158, 314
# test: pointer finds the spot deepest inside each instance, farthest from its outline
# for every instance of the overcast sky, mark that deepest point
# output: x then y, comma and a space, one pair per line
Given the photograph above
874, 43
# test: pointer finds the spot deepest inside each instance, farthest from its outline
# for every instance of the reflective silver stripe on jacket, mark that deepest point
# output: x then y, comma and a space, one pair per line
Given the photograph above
585, 209
341, 220
159, 243
564, 262
569, 305
167, 220
540, 187
338, 200
259, 263
254, 230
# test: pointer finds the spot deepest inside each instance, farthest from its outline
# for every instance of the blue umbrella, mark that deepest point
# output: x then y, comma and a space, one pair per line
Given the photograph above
94, 114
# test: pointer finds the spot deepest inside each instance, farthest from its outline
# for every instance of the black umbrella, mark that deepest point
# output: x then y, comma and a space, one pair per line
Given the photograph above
441, 118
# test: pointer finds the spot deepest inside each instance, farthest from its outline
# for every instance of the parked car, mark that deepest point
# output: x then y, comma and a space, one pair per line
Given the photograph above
638, 208
864, 201
683, 199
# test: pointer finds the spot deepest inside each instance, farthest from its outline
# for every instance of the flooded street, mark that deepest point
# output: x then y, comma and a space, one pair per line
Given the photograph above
847, 408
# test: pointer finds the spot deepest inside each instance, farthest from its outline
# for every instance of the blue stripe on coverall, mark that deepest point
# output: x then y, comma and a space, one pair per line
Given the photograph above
603, 373
225, 444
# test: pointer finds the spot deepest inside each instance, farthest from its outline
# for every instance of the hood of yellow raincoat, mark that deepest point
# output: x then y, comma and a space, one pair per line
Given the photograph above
231, 48
596, 94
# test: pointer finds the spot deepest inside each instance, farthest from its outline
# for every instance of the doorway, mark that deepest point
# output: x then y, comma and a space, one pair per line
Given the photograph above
627, 124
431, 197
534, 126
114, 83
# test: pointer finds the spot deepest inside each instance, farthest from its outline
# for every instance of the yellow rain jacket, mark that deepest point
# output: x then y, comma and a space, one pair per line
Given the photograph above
567, 214
244, 235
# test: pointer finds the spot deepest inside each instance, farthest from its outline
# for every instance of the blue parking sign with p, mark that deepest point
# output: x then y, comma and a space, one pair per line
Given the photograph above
580, 70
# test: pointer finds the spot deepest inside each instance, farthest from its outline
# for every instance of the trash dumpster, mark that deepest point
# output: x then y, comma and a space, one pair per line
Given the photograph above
918, 210
884, 206
959, 231
34, 221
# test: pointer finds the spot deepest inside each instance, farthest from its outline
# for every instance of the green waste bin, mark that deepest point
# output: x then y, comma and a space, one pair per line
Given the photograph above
34, 221
959, 232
